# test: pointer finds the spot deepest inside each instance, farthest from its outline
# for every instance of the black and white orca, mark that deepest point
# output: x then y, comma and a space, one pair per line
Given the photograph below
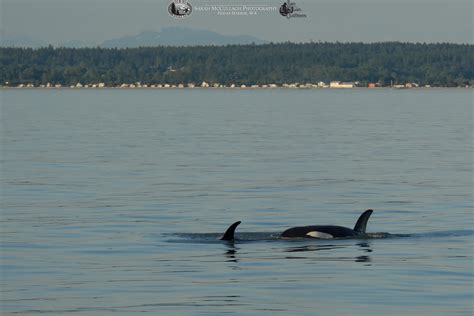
317, 231
329, 231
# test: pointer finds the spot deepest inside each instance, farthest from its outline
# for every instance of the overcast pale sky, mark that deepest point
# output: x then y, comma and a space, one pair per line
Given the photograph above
56, 21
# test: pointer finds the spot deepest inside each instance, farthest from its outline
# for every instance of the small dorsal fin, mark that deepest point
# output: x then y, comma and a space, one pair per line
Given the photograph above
361, 224
229, 233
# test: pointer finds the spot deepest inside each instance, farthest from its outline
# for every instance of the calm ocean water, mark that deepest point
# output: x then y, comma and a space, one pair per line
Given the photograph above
112, 199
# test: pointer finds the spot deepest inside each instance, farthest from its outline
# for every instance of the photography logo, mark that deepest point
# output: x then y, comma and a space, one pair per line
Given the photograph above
236, 9
290, 10
180, 8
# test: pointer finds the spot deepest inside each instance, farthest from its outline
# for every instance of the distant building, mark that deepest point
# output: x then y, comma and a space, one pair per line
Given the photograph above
204, 85
341, 85
411, 85
373, 85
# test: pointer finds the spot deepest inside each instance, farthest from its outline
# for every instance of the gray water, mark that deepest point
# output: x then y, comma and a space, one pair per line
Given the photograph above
112, 201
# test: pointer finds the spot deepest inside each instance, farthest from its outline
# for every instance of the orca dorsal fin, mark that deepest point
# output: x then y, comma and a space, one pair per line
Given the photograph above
229, 233
361, 224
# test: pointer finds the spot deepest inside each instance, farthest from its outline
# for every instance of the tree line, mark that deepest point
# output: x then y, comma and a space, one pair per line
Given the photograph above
439, 64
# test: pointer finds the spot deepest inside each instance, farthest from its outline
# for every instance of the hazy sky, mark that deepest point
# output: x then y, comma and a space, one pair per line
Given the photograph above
56, 21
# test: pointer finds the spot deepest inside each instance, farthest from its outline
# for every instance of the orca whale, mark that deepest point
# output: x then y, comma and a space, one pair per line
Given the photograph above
329, 231
316, 231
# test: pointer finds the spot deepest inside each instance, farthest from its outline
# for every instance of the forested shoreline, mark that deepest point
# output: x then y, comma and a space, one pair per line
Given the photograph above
385, 63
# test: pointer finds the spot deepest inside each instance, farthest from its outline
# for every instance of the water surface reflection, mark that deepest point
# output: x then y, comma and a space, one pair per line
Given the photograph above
231, 252
364, 247
308, 251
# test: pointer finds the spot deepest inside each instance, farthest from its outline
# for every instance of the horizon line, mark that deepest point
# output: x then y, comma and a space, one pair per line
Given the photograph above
50, 45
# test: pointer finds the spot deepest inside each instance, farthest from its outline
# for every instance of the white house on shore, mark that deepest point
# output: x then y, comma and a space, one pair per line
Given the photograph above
341, 85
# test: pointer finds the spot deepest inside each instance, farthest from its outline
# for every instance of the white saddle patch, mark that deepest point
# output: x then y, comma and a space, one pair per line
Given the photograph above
320, 235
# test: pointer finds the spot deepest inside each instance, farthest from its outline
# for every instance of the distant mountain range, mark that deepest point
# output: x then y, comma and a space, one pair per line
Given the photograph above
170, 36
21, 41
180, 36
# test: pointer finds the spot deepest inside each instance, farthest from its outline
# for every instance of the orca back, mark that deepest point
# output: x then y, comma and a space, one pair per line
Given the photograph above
329, 230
